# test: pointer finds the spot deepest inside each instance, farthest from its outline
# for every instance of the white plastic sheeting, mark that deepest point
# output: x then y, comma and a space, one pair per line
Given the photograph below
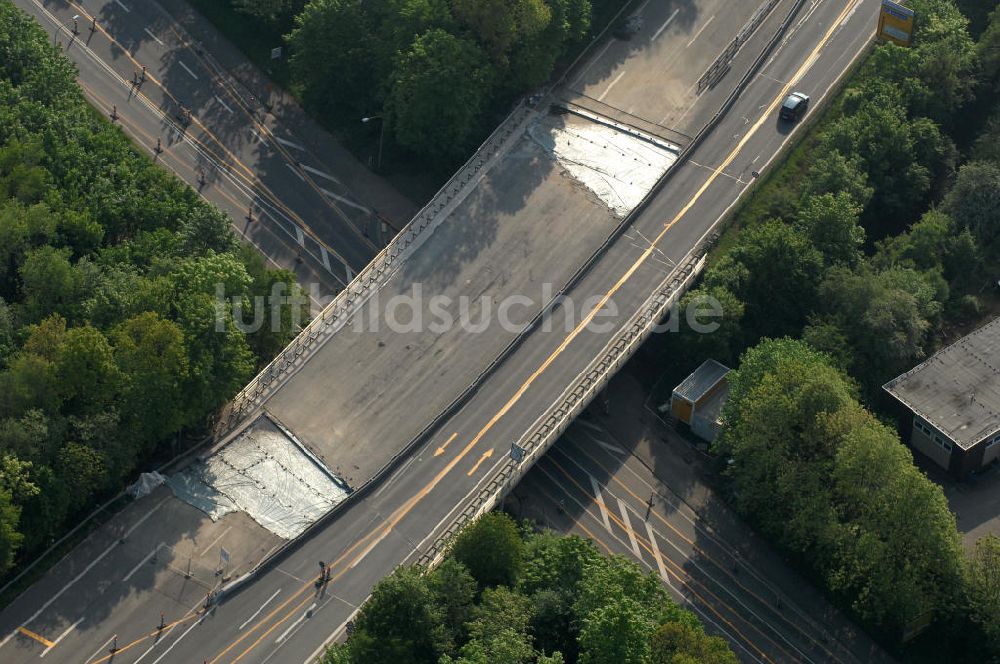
620, 169
265, 474
145, 484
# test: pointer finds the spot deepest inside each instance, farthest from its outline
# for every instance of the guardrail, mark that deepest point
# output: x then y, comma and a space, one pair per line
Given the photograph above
469, 391
350, 300
589, 382
721, 65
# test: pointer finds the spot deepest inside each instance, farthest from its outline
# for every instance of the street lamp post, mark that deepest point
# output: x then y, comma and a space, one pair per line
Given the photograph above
381, 135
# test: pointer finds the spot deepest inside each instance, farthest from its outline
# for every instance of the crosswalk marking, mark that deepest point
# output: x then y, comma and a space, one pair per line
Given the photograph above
628, 528
600, 502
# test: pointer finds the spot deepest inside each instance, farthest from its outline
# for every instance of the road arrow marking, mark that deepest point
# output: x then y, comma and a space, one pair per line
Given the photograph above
486, 455
439, 451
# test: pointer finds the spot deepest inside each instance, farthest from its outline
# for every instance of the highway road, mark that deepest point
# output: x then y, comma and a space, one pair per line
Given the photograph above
281, 615
621, 477
289, 189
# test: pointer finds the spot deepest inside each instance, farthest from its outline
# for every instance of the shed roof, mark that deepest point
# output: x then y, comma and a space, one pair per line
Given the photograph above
957, 390
701, 380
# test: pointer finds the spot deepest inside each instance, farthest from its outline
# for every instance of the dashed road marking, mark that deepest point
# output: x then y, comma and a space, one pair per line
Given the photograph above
295, 624
122, 5
142, 562
61, 637
215, 541
289, 144
224, 104
93, 563
154, 37
666, 24
257, 612
316, 171
611, 85
188, 70
700, 30
345, 201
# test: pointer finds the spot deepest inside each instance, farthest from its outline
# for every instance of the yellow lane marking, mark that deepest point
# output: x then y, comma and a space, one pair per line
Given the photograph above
36, 636
408, 506
486, 455
439, 451
698, 549
232, 157
683, 576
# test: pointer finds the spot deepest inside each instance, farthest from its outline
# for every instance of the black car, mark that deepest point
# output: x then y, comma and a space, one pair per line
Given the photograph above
794, 107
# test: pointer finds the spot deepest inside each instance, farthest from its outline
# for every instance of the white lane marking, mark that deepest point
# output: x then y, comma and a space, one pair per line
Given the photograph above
224, 104
86, 569
142, 562
702, 29
61, 637
628, 528
850, 14
292, 169
257, 612
608, 89
101, 649
215, 541
609, 447
300, 236
188, 70
694, 605
289, 144
599, 499
120, 4
179, 638
381, 537
641, 7
321, 648
326, 259
589, 425
315, 171
345, 201
591, 63
295, 624
666, 24
350, 273
258, 136
656, 554
155, 38
161, 638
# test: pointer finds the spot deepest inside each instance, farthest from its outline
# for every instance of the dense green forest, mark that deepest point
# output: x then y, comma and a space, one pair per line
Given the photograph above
877, 240
438, 73
110, 341
505, 595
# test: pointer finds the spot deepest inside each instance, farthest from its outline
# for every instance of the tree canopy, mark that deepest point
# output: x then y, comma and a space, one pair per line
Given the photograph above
108, 310
565, 602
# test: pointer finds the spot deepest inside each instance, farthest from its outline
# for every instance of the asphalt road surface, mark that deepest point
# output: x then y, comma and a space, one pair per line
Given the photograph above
282, 616
624, 479
254, 155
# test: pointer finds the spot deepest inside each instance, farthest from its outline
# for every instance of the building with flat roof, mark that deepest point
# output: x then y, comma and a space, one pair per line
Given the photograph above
698, 400
949, 406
